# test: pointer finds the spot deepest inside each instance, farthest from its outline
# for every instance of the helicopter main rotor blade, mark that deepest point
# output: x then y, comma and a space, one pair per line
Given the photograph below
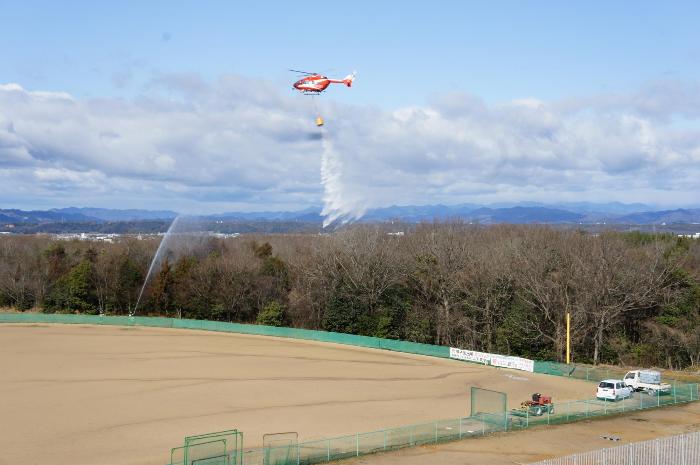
302, 72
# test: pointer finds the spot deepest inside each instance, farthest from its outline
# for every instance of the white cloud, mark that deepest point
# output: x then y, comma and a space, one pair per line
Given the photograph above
239, 143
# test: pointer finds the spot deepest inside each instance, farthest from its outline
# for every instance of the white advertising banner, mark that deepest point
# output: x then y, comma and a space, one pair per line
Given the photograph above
516, 363
470, 355
524, 364
496, 360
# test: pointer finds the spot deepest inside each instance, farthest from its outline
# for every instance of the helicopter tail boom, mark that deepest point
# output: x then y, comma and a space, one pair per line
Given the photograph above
347, 80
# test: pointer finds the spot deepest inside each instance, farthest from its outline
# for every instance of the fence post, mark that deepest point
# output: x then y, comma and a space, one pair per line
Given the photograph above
384, 439
658, 399
675, 400
684, 448
436, 432
631, 448
656, 446
328, 450
298, 453
357, 444
460, 428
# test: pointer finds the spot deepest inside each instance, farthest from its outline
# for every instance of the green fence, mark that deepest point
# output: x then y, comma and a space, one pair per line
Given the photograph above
359, 444
585, 372
577, 371
326, 450
222, 326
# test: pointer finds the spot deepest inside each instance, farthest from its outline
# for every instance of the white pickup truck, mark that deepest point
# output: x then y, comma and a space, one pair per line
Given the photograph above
646, 380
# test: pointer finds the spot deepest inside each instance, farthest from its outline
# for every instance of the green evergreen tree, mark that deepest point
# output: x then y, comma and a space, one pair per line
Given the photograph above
73, 290
129, 281
272, 315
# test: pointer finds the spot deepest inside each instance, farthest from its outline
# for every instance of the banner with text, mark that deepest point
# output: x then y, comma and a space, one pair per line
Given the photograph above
470, 355
505, 361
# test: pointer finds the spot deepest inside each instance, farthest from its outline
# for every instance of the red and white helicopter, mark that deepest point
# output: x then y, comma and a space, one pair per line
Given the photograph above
315, 83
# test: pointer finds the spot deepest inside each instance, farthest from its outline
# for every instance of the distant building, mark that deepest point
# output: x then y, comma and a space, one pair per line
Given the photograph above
88, 237
223, 235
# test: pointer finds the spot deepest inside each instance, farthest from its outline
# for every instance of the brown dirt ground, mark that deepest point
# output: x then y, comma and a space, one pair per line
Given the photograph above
74, 395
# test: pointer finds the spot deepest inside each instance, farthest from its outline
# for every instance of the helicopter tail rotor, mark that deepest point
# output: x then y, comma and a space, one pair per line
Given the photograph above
347, 80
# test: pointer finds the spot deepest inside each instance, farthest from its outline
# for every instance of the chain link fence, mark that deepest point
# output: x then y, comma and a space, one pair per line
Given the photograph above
355, 445
435, 432
359, 444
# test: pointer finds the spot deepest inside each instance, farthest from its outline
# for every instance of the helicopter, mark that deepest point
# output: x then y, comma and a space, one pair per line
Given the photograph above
315, 83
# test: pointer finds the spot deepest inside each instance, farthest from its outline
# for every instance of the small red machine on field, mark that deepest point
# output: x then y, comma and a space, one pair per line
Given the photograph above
539, 405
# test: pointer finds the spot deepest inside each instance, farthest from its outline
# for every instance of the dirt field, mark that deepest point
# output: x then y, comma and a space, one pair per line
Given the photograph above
546, 442
77, 395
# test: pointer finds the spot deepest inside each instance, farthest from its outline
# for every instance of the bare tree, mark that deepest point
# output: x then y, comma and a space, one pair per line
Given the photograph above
441, 255
546, 274
614, 278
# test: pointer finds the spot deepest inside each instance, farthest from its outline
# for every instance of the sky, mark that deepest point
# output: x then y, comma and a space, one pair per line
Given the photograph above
189, 106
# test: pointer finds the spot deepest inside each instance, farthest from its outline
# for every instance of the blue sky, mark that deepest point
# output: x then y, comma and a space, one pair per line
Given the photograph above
404, 53
634, 62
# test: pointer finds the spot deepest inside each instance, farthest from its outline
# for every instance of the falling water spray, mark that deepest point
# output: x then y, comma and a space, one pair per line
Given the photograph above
156, 260
339, 205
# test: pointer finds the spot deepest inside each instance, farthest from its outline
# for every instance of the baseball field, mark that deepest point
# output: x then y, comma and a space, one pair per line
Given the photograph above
82, 394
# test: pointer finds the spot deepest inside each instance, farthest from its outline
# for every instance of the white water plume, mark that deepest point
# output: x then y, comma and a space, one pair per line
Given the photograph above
339, 204
183, 237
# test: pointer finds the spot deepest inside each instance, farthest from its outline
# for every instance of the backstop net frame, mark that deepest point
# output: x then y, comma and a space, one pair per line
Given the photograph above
281, 448
219, 448
489, 406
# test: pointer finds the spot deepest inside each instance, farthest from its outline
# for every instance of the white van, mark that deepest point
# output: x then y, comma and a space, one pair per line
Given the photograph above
613, 389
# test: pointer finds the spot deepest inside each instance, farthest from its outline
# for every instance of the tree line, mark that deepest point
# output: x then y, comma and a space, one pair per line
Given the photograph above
634, 298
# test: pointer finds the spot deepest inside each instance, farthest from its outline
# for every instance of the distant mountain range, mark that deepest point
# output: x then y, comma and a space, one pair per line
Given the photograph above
107, 214
523, 213
81, 215
309, 215
37, 216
